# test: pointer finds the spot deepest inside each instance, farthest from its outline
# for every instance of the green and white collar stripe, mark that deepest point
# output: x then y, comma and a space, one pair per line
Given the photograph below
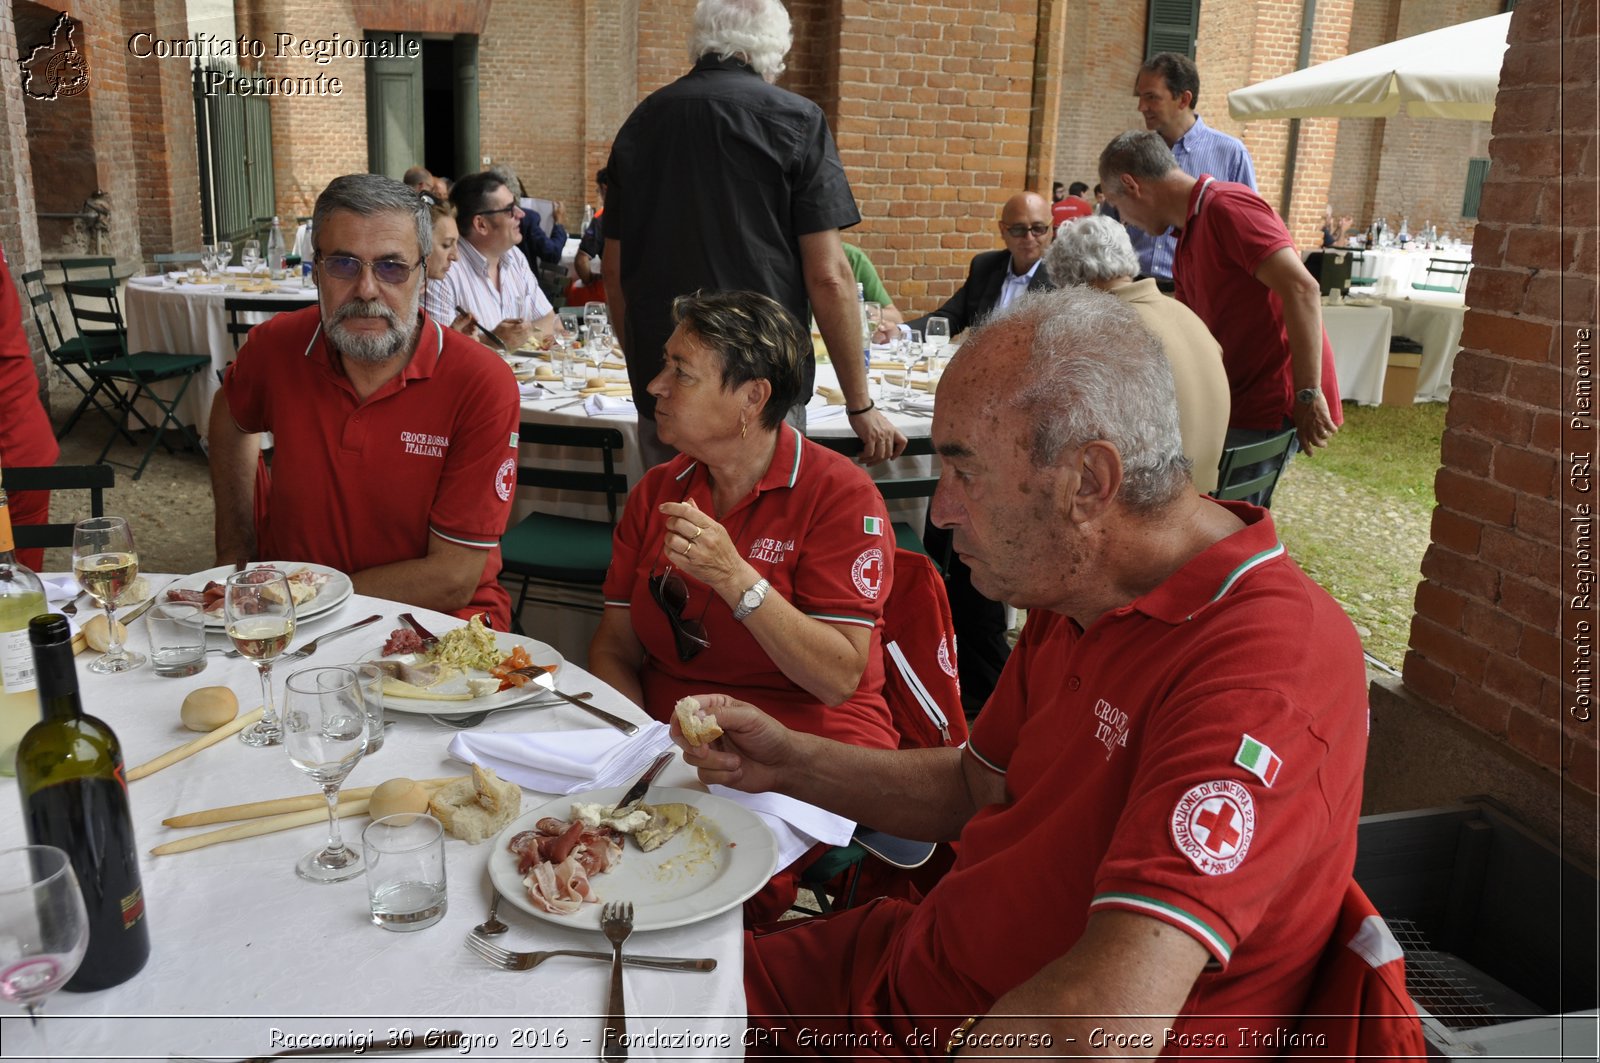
1169, 912
1249, 563
794, 471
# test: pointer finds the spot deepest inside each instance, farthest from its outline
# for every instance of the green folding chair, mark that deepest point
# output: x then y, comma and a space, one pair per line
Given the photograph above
1358, 269
177, 258
72, 354
1252, 469
98, 270
1447, 267
555, 551
96, 479
133, 376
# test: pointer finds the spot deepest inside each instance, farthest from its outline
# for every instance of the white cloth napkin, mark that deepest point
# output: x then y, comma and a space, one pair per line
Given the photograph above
534, 391
564, 762
609, 406
147, 282
795, 825
59, 590
922, 405
821, 411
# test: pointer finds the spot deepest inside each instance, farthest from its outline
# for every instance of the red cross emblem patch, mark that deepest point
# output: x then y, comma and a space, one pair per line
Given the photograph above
867, 572
505, 479
1212, 825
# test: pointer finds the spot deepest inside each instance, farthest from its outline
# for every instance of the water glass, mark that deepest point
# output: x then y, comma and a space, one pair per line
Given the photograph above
574, 369
369, 677
938, 332
404, 855
177, 633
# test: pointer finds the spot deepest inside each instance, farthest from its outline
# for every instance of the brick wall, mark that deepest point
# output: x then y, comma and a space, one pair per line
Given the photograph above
161, 112
19, 231
60, 134
1100, 61
1484, 641
531, 91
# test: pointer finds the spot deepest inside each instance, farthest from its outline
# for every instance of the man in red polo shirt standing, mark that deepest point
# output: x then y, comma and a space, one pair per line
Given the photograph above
1237, 268
396, 438
1156, 810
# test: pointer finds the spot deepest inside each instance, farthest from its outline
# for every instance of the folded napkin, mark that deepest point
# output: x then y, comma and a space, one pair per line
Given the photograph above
833, 396
535, 391
795, 825
919, 405
147, 282
817, 414
59, 590
609, 406
564, 762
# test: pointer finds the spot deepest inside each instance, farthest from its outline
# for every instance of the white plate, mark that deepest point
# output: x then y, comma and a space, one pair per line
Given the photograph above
743, 857
333, 593
457, 684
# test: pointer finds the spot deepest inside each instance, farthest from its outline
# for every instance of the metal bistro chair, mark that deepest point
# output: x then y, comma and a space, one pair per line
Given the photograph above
177, 258
563, 550
905, 536
236, 306
98, 312
96, 479
1358, 269
1252, 470
67, 353
88, 271
1448, 267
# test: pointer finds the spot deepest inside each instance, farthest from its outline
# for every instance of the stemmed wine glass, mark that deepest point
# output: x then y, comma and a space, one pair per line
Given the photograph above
250, 256
44, 929
105, 561
325, 732
225, 254
259, 612
938, 334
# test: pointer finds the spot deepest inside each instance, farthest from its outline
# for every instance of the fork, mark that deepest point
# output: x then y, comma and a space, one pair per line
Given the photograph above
509, 960
616, 920
473, 719
71, 608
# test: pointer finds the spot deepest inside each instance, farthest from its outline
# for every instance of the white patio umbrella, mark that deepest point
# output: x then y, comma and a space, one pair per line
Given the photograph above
1447, 73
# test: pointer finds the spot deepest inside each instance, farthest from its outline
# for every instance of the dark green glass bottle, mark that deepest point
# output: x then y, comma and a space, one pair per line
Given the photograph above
75, 797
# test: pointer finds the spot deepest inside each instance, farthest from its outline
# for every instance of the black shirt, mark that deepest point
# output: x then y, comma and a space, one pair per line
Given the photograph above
712, 181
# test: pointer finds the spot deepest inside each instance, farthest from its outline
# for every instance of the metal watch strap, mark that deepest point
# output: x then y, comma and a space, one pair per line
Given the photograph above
759, 589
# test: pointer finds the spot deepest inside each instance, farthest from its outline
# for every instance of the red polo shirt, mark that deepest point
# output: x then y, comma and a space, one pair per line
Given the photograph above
360, 484
816, 528
25, 434
1130, 786
1230, 232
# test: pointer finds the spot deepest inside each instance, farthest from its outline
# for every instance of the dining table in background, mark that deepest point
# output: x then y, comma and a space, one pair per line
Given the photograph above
190, 319
1402, 268
1359, 336
1435, 320
242, 947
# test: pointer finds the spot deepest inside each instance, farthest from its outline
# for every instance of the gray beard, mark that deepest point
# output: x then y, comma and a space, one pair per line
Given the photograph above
361, 347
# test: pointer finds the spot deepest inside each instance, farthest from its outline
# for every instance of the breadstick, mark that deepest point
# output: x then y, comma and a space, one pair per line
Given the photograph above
268, 825
279, 805
189, 749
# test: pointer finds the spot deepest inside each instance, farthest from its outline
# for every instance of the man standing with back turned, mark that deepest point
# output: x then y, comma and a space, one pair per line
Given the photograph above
723, 181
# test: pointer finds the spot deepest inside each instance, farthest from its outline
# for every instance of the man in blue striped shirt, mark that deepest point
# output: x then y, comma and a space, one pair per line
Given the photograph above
1167, 88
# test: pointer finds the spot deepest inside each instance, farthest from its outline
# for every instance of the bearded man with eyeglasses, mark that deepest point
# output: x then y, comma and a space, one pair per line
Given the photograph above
395, 437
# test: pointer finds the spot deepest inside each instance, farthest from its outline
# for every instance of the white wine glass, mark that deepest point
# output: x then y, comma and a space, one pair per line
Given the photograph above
259, 612
44, 929
250, 256
105, 562
225, 251
938, 334
325, 732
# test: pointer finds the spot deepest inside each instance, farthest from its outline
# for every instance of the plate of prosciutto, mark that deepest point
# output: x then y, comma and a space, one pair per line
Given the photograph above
315, 588
705, 855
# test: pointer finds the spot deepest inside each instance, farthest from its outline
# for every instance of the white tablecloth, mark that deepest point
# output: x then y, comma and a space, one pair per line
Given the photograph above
1433, 319
241, 946
189, 319
1405, 268
1360, 339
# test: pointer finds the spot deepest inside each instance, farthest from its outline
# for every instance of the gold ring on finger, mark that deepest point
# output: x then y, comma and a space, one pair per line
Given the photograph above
689, 548
697, 532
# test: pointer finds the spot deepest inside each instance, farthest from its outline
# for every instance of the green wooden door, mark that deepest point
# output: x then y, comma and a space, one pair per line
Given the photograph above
394, 107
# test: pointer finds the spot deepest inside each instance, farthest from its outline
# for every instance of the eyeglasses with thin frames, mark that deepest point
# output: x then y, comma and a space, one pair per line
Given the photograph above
348, 268
1017, 232
672, 595
507, 209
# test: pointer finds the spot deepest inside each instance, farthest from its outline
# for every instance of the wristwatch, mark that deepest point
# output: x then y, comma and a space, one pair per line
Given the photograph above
1306, 396
751, 599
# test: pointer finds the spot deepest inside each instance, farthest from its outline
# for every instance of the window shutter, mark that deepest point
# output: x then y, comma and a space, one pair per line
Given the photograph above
1477, 173
1173, 26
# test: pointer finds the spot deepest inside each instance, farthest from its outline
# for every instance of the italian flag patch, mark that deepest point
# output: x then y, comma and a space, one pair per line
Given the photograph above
1258, 759
872, 525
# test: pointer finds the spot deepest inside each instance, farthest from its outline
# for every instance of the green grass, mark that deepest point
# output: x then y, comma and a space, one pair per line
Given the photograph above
1356, 517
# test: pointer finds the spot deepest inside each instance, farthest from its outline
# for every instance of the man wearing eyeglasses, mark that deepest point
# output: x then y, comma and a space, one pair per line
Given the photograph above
491, 280
395, 437
994, 279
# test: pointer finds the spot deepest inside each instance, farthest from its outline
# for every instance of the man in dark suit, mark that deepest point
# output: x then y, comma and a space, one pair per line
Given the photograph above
997, 277
993, 280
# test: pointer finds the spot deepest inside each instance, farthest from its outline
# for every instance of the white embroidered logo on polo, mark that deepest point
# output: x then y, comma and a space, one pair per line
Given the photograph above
424, 443
505, 479
1110, 726
1212, 825
946, 665
867, 572
770, 550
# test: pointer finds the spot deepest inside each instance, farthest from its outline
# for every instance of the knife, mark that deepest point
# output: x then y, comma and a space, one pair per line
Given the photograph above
429, 639
129, 617
548, 681
637, 791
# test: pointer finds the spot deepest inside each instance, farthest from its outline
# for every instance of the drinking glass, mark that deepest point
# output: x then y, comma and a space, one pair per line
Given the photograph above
907, 354
325, 732
225, 249
43, 927
938, 333
405, 871
259, 612
105, 561
250, 256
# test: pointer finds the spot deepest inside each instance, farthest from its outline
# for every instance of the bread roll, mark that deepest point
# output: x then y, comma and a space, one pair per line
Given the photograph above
95, 630
699, 727
208, 708
476, 808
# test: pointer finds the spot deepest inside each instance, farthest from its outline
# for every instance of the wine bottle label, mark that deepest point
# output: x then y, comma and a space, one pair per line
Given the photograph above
132, 908
17, 672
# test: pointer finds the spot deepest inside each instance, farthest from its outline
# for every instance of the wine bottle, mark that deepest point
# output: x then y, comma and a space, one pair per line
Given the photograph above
75, 797
21, 599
